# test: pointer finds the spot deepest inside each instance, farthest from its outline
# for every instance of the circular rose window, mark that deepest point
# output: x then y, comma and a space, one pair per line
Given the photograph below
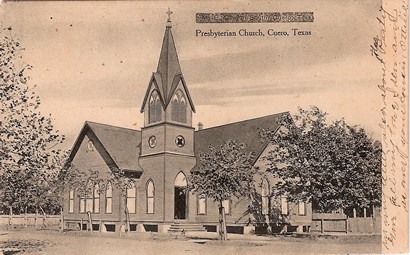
152, 141
180, 141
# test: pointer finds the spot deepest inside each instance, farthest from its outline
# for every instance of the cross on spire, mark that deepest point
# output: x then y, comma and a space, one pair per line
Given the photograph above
169, 12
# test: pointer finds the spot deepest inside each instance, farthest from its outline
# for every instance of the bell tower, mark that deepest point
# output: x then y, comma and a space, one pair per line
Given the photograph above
167, 142
167, 105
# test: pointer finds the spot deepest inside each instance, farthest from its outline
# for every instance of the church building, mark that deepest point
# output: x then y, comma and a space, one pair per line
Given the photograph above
159, 157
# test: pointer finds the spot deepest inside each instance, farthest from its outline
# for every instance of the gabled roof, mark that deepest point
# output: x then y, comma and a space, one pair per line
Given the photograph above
121, 145
246, 132
168, 74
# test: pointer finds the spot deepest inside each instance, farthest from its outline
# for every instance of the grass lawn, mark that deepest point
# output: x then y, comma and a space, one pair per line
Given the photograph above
53, 242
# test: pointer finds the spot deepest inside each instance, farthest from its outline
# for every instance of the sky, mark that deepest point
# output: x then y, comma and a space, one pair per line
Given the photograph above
93, 60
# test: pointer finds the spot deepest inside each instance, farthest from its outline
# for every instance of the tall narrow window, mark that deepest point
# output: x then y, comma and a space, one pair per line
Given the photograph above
179, 105
158, 111
302, 208
154, 108
201, 205
131, 197
284, 205
108, 198
265, 196
96, 197
82, 203
151, 110
71, 202
227, 205
174, 108
182, 109
89, 201
150, 196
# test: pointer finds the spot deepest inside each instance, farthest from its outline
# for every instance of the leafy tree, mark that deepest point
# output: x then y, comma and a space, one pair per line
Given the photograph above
222, 174
28, 140
331, 165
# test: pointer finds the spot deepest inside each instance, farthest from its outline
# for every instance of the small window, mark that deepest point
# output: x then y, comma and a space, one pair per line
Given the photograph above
90, 146
201, 205
108, 198
150, 197
227, 205
131, 197
302, 208
284, 205
71, 202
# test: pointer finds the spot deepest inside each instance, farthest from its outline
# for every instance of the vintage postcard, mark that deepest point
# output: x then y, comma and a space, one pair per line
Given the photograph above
204, 127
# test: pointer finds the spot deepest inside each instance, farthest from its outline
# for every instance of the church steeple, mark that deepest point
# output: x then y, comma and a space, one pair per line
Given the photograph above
168, 64
168, 76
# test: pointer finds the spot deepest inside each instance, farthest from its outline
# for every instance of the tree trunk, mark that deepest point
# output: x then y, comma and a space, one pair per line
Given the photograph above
90, 222
11, 218
127, 220
25, 217
35, 219
44, 217
61, 220
222, 223
269, 227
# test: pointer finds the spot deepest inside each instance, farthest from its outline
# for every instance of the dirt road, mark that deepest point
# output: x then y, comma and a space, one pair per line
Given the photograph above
53, 242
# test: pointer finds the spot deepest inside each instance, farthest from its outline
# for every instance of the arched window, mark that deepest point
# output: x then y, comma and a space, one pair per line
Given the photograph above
174, 108
154, 108
178, 105
150, 196
131, 197
180, 180
265, 196
90, 200
71, 202
182, 109
96, 197
86, 200
108, 198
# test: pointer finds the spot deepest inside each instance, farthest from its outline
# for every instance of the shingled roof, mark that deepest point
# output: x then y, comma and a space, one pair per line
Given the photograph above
121, 144
246, 132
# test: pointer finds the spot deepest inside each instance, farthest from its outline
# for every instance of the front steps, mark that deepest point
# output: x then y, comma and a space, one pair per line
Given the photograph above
186, 227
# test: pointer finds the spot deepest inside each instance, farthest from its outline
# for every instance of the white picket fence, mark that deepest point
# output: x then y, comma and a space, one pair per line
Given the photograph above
25, 220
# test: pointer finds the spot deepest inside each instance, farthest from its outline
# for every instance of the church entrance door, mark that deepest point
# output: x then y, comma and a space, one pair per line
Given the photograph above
180, 203
180, 197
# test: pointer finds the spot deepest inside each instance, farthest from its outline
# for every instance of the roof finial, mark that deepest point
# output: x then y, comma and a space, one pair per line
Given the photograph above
169, 12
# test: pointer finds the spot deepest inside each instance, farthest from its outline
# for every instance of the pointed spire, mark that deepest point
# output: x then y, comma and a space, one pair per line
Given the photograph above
168, 64
168, 75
